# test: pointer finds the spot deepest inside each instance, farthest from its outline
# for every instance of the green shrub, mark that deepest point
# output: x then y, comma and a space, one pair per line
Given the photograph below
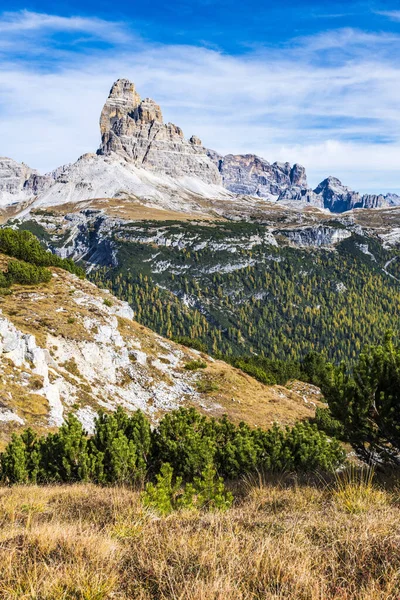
205, 386
120, 447
107, 302
124, 449
24, 273
193, 365
326, 422
191, 343
167, 495
367, 402
23, 245
162, 496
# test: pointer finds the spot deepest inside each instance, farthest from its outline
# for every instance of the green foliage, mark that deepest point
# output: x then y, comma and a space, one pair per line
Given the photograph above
14, 467
120, 448
315, 369
167, 495
162, 496
186, 447
24, 273
191, 343
268, 371
24, 246
184, 440
193, 365
285, 304
107, 302
326, 422
367, 402
189, 442
64, 455
209, 491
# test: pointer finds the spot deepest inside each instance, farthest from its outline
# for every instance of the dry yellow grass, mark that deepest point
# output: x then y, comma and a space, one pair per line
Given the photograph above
280, 540
130, 209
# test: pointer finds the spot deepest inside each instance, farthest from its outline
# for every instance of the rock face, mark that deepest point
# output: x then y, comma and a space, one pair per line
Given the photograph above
339, 198
13, 175
316, 237
134, 129
254, 176
301, 196
18, 182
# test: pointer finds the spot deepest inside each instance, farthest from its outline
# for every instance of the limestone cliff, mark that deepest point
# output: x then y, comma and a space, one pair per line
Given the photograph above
134, 129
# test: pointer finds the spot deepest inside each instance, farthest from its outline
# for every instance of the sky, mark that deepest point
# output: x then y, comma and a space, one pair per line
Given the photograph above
301, 81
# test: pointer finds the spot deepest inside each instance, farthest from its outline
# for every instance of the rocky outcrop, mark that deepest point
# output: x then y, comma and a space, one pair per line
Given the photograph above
254, 176
316, 237
301, 196
339, 198
18, 182
13, 175
134, 129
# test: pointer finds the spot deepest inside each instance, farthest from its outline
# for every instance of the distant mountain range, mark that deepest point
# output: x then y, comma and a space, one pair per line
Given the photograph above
146, 160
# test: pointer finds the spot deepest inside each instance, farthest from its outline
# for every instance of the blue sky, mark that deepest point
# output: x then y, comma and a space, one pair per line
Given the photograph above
306, 81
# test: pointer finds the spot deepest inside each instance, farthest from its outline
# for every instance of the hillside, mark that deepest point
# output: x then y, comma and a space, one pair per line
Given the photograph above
292, 283
233, 251
68, 346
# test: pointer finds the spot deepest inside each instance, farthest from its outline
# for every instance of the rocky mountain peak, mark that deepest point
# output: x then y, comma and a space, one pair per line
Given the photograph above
134, 129
331, 184
122, 101
252, 175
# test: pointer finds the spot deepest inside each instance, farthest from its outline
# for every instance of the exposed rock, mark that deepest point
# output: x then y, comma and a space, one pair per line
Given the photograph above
316, 237
100, 358
13, 175
134, 129
18, 182
301, 195
141, 158
251, 175
339, 198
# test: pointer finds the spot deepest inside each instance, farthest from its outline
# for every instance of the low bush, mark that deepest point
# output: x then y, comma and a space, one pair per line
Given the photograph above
19, 271
24, 246
167, 494
124, 449
193, 365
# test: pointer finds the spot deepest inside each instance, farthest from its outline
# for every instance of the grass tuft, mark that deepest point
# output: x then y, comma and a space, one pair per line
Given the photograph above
355, 491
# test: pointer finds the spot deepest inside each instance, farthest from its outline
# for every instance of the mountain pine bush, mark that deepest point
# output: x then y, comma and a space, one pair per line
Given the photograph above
367, 402
24, 246
198, 450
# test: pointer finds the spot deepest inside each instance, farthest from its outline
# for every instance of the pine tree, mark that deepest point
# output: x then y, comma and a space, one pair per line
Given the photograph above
367, 402
14, 468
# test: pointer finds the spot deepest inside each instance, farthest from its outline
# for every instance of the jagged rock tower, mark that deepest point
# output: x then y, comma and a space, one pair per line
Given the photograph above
134, 129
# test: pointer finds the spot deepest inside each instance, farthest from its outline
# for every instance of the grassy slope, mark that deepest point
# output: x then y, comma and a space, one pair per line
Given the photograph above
296, 541
50, 312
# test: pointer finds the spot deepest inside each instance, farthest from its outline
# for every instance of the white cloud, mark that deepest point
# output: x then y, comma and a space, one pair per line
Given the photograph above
394, 15
24, 22
325, 101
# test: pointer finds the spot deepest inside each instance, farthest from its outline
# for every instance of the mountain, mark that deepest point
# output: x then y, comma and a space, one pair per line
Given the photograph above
338, 198
232, 251
134, 129
69, 347
144, 160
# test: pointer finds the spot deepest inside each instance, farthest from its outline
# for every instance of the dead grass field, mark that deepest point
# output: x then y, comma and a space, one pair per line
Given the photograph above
282, 539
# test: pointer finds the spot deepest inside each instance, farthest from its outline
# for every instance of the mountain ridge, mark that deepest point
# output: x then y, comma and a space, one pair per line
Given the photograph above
137, 146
